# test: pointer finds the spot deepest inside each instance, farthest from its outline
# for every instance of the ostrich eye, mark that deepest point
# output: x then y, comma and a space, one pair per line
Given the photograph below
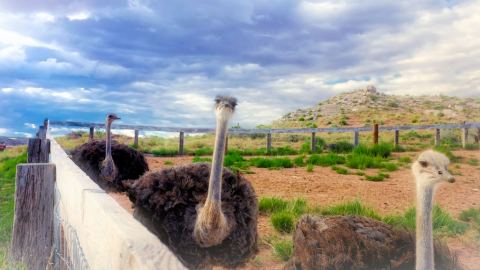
423, 163
440, 172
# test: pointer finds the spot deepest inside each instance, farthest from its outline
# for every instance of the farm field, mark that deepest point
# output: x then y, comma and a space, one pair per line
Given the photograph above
324, 187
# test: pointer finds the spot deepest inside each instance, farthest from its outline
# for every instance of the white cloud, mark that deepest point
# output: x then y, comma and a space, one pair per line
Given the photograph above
23, 134
3, 131
79, 16
30, 125
44, 17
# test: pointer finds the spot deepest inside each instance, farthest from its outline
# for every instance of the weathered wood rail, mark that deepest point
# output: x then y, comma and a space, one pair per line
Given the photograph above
313, 131
107, 235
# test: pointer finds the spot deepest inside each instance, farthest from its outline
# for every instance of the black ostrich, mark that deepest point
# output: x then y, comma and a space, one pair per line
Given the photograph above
109, 163
207, 215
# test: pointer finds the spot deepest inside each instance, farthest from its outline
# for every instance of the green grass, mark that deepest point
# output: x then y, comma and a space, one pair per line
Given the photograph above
341, 147
275, 162
377, 178
446, 150
310, 168
351, 208
405, 159
379, 150
282, 248
204, 151
163, 152
326, 160
197, 159
268, 205
168, 162
340, 170
471, 215
442, 222
389, 166
363, 161
299, 161
8, 161
283, 222
473, 162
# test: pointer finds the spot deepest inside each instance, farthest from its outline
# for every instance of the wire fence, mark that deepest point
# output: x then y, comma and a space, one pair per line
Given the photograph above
67, 251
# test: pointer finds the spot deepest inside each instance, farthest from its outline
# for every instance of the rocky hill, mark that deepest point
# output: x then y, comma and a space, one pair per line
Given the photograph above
367, 106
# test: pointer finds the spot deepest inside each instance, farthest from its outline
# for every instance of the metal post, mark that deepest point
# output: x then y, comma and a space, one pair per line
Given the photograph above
180, 143
314, 143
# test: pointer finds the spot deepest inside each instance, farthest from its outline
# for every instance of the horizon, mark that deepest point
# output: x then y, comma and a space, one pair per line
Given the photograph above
163, 63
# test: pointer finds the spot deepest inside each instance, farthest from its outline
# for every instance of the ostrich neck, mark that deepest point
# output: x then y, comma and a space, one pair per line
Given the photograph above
108, 149
215, 182
424, 236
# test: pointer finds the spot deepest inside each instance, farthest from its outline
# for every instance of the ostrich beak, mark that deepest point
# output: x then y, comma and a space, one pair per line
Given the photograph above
116, 117
451, 179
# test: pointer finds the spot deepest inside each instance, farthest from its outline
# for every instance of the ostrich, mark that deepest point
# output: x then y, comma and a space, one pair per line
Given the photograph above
207, 215
109, 163
429, 170
354, 242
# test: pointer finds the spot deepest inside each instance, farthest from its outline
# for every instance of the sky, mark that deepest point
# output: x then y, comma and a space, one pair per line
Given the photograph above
162, 62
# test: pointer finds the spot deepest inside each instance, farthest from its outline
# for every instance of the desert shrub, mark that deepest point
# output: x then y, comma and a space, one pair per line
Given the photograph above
232, 158
283, 221
473, 162
326, 159
197, 159
405, 159
471, 214
398, 149
268, 205
168, 162
442, 222
341, 147
390, 166
282, 151
307, 146
297, 207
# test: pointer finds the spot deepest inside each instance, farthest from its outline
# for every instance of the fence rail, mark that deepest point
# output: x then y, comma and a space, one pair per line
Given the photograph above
313, 131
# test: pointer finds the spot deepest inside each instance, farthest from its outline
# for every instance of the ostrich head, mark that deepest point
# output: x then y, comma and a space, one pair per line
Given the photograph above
211, 225
109, 171
431, 168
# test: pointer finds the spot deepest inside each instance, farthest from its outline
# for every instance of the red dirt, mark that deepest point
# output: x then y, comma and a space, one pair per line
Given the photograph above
325, 187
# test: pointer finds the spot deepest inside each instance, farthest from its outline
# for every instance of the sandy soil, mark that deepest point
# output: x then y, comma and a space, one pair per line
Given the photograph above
323, 186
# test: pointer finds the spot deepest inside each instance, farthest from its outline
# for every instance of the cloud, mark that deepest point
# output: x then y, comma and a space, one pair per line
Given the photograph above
3, 131
30, 125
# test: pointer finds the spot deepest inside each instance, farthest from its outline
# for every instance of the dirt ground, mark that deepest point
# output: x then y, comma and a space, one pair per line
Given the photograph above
323, 186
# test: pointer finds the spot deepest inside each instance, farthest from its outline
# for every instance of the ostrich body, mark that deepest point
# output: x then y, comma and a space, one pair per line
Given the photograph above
109, 163
429, 170
207, 215
358, 243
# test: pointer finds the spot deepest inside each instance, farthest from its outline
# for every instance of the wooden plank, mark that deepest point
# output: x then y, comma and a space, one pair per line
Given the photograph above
437, 137
464, 137
135, 139
356, 137
32, 237
269, 142
181, 143
396, 138
38, 150
91, 134
375, 134
110, 238
314, 143
264, 131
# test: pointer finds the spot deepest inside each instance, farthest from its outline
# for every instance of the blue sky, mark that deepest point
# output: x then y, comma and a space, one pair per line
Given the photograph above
162, 62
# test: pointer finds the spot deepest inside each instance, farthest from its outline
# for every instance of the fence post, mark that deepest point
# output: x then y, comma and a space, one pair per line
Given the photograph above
38, 150
92, 134
437, 137
181, 142
42, 132
314, 143
375, 134
32, 236
356, 137
135, 139
396, 139
269, 142
464, 137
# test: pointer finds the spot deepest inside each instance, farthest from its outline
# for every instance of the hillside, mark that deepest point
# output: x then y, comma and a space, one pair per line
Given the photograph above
366, 106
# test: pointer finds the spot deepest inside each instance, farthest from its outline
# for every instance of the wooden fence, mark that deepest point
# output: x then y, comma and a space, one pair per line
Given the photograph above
100, 231
376, 129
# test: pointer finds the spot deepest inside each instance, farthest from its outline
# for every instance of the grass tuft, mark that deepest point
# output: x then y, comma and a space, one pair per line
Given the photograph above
351, 208
283, 221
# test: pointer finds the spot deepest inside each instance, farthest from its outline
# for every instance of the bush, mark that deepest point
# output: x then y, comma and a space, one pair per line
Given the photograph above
405, 159
469, 215
197, 159
307, 146
279, 162
168, 162
268, 205
232, 158
390, 166
340, 170
283, 151
283, 221
326, 160
341, 147
472, 146
382, 150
